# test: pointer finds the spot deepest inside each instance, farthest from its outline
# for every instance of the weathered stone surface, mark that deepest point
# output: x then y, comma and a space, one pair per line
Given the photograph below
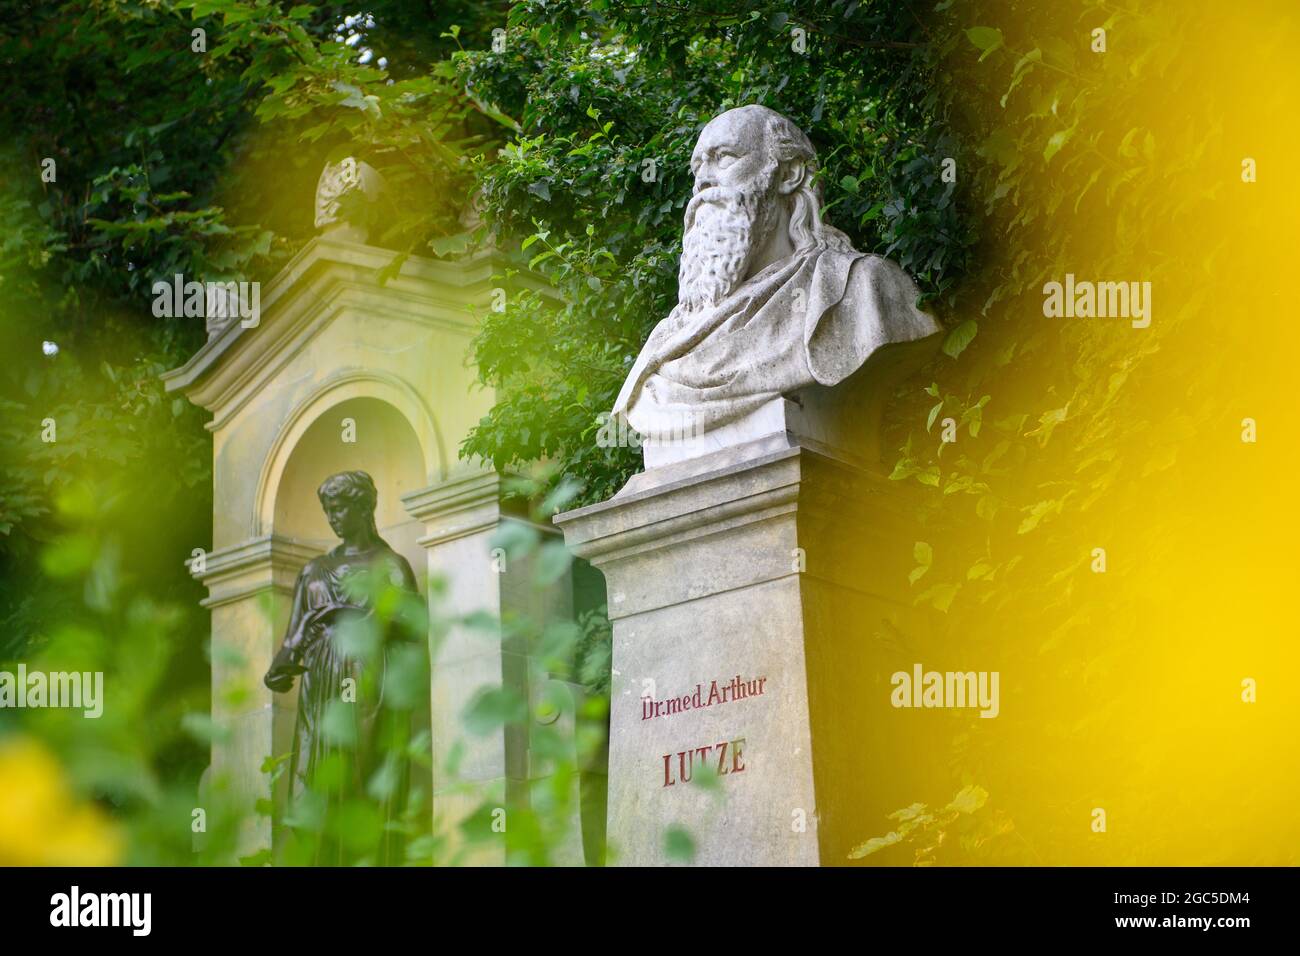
771, 300
338, 356
751, 565
347, 198
745, 598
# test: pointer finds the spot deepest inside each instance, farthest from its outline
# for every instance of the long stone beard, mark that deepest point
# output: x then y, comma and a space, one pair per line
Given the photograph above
725, 227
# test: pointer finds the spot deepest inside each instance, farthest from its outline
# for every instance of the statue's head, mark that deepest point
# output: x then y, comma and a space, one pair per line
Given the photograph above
756, 200
349, 500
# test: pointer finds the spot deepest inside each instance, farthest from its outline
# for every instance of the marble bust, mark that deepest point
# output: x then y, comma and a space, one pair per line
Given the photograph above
771, 299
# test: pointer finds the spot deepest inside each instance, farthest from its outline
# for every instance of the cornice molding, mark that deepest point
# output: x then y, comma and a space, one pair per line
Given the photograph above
260, 564
326, 278
466, 503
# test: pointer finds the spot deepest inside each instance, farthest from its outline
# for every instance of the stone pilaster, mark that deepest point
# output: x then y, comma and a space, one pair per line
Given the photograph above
250, 589
464, 519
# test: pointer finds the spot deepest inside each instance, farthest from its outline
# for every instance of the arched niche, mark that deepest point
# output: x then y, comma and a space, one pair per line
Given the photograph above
389, 400
359, 433
365, 434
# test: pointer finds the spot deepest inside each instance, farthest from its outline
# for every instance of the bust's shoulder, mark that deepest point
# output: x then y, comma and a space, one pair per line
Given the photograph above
870, 263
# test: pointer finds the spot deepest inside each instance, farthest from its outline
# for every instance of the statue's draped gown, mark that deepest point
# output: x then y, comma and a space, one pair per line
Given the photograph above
324, 610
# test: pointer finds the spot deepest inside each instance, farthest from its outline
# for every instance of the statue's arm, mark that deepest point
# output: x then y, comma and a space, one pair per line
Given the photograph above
285, 665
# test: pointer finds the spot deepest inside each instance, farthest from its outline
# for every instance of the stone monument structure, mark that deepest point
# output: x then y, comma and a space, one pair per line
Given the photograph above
347, 199
334, 593
344, 373
751, 565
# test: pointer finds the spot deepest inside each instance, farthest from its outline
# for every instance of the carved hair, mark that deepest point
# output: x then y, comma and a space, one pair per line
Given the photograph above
352, 486
787, 143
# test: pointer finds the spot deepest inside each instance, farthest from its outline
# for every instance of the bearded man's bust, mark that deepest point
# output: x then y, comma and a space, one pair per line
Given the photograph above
774, 307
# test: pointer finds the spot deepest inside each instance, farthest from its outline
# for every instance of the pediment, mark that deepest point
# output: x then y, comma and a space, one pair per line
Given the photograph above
329, 278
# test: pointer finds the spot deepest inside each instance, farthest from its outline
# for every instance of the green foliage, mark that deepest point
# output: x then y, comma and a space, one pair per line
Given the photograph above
601, 89
1070, 165
1067, 161
139, 756
954, 833
679, 845
172, 161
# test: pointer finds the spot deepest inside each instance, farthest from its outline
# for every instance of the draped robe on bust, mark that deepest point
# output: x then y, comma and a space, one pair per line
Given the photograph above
814, 317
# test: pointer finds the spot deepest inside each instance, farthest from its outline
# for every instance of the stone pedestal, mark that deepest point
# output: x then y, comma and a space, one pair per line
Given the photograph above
748, 591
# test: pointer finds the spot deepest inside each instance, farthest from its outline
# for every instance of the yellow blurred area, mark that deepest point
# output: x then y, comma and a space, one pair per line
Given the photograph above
41, 822
1166, 695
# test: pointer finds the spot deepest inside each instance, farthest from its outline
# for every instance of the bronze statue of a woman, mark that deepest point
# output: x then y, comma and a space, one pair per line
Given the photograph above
340, 649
